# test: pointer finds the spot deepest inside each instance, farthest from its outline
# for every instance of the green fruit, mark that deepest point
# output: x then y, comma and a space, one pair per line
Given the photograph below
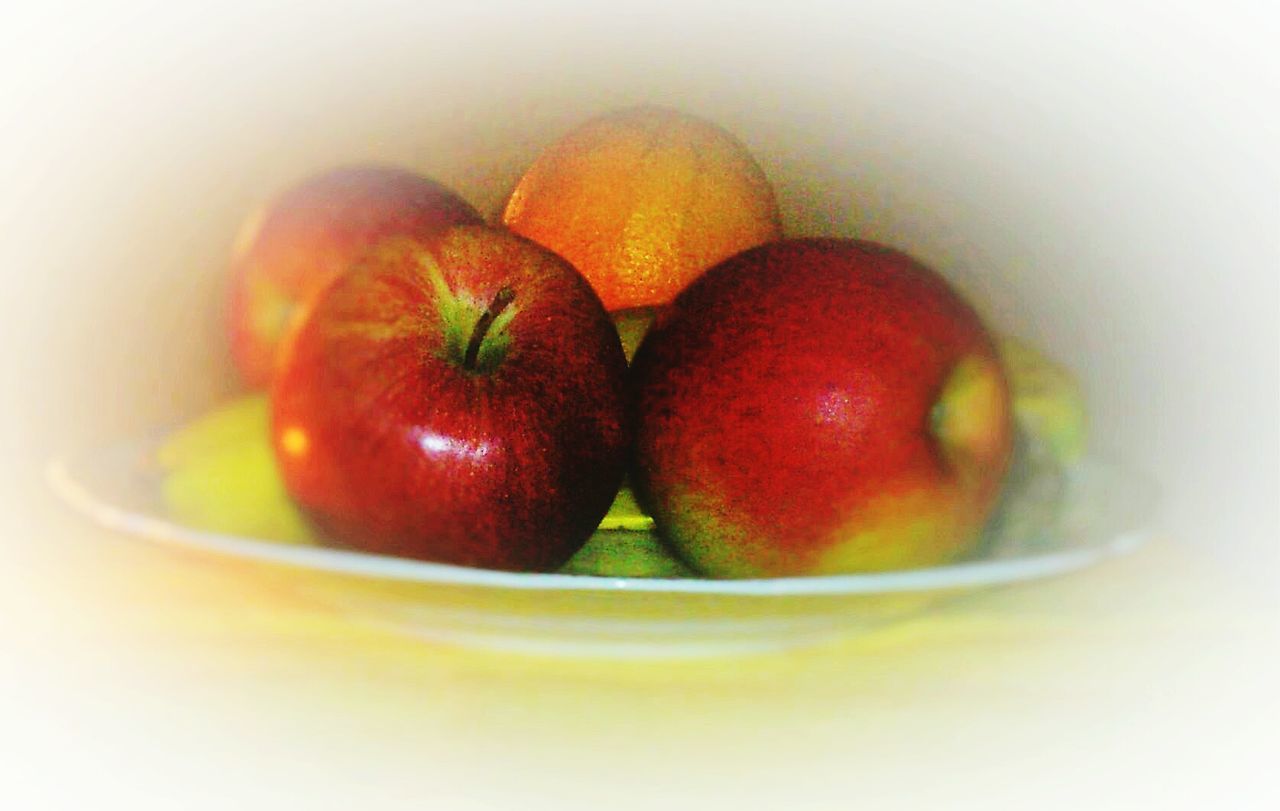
624, 553
1048, 403
220, 475
625, 545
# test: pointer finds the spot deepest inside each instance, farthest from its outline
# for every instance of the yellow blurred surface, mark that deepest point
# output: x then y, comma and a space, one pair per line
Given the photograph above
171, 668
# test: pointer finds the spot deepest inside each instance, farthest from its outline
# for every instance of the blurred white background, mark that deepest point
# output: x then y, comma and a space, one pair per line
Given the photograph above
1102, 178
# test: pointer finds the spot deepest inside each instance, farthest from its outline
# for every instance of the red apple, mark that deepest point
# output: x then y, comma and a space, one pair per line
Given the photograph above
288, 251
819, 406
462, 401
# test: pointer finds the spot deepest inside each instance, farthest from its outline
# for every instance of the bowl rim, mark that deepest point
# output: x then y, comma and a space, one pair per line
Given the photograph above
966, 574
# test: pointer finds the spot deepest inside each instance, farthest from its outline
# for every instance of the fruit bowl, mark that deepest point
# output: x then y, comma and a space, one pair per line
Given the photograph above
1103, 513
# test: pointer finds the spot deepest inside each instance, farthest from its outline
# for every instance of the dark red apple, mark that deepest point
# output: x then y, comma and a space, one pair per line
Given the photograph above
462, 401
819, 406
289, 250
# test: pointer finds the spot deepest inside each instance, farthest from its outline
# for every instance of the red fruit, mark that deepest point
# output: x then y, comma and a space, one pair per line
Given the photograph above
289, 251
819, 406
461, 402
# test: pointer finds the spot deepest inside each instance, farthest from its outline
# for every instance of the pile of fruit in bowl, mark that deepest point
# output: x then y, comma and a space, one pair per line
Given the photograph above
630, 371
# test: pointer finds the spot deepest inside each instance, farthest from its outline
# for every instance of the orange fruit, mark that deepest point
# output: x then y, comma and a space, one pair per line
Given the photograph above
642, 200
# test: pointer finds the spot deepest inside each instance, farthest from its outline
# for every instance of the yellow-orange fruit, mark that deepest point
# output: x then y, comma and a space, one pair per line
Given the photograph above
642, 200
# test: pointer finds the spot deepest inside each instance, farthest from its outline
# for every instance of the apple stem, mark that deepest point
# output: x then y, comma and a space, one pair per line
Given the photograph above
500, 301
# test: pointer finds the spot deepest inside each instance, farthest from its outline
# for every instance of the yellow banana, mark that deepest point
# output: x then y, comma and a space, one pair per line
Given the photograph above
625, 513
219, 475
1050, 429
236, 421
1048, 403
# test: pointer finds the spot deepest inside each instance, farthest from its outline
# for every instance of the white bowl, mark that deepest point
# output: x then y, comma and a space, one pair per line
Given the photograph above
1104, 513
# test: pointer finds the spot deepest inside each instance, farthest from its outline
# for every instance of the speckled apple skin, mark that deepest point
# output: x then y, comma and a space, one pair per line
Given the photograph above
390, 446
288, 251
787, 421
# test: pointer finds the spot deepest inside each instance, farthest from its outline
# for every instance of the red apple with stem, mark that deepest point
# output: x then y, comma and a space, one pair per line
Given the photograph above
461, 402
289, 250
819, 406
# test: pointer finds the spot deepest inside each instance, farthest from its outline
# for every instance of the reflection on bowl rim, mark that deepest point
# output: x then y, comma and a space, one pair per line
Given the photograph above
966, 574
